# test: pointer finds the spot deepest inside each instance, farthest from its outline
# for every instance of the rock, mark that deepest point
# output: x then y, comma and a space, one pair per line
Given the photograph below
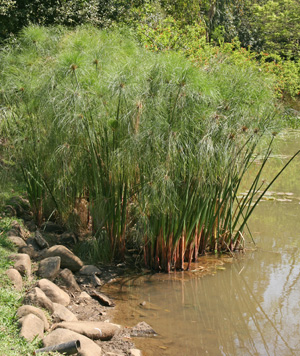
30, 225
17, 230
91, 280
59, 336
69, 280
102, 299
50, 226
28, 250
68, 259
49, 267
15, 278
42, 243
32, 243
89, 270
20, 205
38, 298
29, 309
95, 281
95, 330
22, 263
42, 254
142, 329
67, 238
31, 326
61, 313
10, 211
53, 292
135, 352
16, 240
84, 296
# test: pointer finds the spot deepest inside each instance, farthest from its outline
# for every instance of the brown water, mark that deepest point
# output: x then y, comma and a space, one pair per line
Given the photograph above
250, 306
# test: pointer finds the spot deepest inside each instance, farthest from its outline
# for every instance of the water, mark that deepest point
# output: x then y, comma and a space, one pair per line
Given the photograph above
249, 306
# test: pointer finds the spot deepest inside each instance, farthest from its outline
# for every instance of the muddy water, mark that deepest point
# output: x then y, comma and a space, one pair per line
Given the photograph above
249, 306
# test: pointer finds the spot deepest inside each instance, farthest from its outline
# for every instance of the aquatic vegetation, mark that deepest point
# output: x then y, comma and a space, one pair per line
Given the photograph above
156, 147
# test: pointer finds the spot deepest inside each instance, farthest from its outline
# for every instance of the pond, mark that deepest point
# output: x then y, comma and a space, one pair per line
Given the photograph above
246, 305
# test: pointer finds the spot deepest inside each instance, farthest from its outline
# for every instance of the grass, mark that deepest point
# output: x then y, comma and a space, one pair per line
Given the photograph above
157, 147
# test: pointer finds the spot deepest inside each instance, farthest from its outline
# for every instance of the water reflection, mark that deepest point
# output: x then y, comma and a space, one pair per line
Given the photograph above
252, 307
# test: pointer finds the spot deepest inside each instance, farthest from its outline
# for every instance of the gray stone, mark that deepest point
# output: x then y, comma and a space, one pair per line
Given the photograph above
67, 238
22, 263
84, 296
15, 278
31, 326
49, 267
21, 206
142, 329
29, 309
42, 243
38, 298
89, 270
61, 313
69, 281
102, 299
28, 250
32, 243
53, 292
17, 230
68, 259
95, 330
59, 336
52, 227
16, 240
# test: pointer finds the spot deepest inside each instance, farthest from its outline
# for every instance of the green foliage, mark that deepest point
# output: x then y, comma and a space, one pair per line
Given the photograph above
168, 34
279, 21
14, 15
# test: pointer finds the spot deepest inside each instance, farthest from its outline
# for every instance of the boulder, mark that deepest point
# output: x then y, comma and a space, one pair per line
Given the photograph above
84, 296
102, 299
142, 329
135, 352
15, 278
53, 292
29, 309
61, 313
38, 298
59, 336
28, 250
17, 230
89, 270
20, 205
22, 263
42, 243
49, 267
95, 330
32, 243
9, 211
31, 326
68, 259
30, 225
52, 227
69, 280
16, 240
67, 238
